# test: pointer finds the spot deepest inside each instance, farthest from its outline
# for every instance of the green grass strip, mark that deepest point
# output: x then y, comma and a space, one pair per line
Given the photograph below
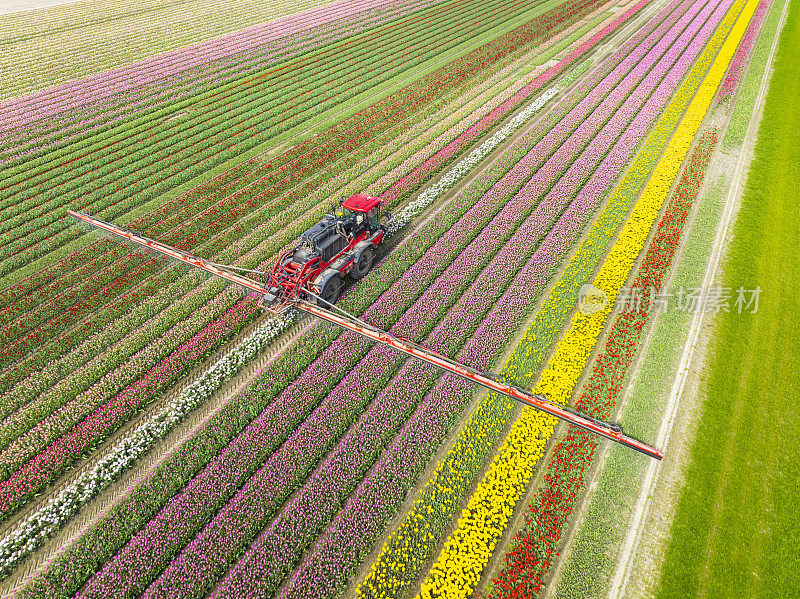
589, 567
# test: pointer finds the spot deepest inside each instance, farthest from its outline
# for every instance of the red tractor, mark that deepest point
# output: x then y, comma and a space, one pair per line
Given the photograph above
338, 245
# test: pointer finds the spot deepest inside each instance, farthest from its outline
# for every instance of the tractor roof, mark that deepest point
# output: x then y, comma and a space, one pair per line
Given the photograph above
360, 202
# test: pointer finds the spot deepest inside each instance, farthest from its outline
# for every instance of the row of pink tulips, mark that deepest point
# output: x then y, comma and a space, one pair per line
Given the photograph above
71, 96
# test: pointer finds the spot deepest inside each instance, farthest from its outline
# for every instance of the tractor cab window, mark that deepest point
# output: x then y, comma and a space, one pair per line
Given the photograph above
372, 217
361, 220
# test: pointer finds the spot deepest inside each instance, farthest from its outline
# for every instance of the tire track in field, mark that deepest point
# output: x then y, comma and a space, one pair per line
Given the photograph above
592, 479
573, 524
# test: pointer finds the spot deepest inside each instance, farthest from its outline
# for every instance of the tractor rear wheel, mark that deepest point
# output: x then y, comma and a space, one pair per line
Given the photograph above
331, 291
363, 264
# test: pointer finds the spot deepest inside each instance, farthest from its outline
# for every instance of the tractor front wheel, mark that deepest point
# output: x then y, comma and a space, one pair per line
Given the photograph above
363, 264
331, 291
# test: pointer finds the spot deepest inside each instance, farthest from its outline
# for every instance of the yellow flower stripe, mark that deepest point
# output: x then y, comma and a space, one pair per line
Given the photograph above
466, 552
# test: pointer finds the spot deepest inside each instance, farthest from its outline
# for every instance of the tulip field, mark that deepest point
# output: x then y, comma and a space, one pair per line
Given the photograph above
164, 436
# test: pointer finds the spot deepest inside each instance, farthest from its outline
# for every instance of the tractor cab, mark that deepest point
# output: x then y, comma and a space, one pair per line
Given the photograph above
359, 213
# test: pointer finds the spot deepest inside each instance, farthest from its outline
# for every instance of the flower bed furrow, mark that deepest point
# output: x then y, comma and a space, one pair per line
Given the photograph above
86, 363
57, 238
337, 55
27, 432
105, 419
743, 53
